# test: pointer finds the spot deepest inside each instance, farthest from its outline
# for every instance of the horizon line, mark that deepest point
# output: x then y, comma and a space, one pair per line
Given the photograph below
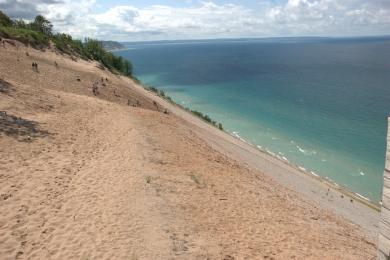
257, 38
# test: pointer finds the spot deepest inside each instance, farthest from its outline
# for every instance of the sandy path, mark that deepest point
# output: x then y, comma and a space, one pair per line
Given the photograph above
78, 193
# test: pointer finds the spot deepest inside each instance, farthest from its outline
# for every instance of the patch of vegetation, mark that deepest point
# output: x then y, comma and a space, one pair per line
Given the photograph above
148, 179
195, 179
4, 19
202, 116
207, 119
26, 36
39, 34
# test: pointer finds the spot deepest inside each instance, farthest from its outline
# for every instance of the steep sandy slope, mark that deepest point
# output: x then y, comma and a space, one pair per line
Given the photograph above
93, 178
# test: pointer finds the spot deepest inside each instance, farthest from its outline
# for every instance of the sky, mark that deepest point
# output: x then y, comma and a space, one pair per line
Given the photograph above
148, 20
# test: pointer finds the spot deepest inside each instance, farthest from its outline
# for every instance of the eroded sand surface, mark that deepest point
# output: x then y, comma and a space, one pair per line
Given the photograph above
85, 177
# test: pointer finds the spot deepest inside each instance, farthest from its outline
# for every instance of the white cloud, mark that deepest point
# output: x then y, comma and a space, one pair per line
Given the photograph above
204, 20
331, 17
210, 20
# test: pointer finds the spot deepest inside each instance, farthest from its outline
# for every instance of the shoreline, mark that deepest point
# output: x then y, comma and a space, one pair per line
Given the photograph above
329, 181
354, 195
319, 190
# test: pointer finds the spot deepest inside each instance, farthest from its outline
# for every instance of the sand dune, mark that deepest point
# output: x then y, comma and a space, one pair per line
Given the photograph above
85, 177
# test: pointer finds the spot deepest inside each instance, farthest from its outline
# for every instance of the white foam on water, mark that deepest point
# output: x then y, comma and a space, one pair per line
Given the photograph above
242, 139
301, 168
362, 173
306, 152
236, 134
361, 196
269, 152
301, 150
315, 174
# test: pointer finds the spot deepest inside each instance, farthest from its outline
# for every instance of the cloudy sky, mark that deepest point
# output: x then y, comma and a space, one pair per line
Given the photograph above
127, 20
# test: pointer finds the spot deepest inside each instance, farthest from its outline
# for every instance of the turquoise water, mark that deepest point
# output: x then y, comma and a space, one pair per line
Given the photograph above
318, 103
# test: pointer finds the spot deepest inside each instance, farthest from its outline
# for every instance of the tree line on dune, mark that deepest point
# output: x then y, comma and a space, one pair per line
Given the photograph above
202, 116
39, 34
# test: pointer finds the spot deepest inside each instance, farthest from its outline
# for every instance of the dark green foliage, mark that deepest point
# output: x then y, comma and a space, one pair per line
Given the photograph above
67, 44
94, 49
41, 24
39, 33
207, 119
25, 36
153, 89
5, 20
21, 24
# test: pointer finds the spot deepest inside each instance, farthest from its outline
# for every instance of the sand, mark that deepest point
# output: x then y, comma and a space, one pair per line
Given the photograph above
91, 177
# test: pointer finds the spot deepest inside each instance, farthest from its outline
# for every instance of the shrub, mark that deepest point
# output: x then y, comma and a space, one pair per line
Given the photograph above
25, 36
5, 20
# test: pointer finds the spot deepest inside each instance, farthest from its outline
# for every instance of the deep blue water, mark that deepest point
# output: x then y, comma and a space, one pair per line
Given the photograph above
319, 103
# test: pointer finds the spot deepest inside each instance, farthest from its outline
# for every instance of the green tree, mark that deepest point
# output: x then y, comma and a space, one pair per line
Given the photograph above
41, 24
20, 24
94, 49
4, 19
127, 68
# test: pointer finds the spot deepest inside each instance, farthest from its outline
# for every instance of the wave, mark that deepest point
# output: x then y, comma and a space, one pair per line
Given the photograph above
306, 152
237, 135
361, 196
269, 152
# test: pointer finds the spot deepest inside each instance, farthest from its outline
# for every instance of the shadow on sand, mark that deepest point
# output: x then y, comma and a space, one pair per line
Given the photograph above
5, 87
21, 129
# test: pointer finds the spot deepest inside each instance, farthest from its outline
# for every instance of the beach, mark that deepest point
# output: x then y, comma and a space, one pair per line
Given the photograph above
126, 174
